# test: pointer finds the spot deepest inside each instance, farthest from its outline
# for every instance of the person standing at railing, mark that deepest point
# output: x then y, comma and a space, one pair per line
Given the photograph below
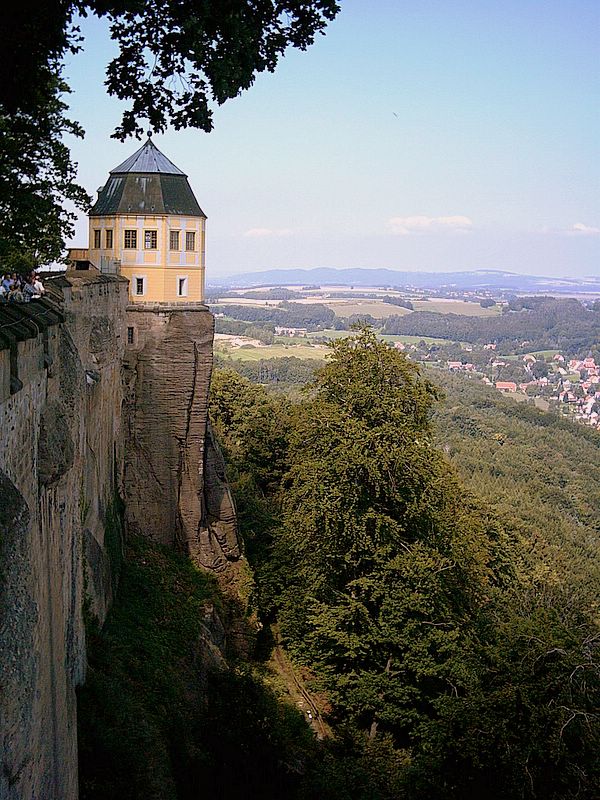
38, 285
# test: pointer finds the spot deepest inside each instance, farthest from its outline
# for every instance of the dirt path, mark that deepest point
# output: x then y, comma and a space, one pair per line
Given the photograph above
296, 688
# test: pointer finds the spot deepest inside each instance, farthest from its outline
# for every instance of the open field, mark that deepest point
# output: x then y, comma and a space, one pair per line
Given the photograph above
538, 402
246, 301
405, 339
544, 353
443, 306
376, 308
328, 333
251, 353
346, 307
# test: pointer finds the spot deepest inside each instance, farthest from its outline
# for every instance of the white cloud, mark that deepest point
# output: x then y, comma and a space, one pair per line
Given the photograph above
258, 233
407, 226
579, 229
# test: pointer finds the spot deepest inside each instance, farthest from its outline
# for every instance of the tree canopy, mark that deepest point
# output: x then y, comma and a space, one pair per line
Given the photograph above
176, 59
444, 606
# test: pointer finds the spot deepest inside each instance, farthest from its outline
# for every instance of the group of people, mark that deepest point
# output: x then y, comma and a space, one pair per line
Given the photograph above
19, 288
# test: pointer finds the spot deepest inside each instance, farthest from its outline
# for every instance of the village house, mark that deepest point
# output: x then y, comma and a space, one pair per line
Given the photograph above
506, 386
281, 331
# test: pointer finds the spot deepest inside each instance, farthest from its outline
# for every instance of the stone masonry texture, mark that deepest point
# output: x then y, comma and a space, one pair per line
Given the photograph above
107, 401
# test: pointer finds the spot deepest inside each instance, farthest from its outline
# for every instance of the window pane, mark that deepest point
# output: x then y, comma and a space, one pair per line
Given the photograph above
182, 287
190, 240
150, 240
109, 239
174, 240
130, 242
139, 286
97, 244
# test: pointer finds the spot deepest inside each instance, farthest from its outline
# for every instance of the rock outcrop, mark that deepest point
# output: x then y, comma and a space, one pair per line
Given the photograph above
175, 489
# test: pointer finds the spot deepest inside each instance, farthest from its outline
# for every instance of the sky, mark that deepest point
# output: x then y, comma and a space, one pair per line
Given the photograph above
440, 135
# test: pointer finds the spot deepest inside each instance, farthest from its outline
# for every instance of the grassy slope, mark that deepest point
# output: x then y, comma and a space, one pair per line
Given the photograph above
442, 306
153, 723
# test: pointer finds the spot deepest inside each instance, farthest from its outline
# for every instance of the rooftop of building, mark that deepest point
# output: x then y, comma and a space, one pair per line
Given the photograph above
147, 160
147, 183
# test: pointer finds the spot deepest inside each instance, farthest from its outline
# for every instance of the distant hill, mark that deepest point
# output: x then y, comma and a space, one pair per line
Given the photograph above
492, 280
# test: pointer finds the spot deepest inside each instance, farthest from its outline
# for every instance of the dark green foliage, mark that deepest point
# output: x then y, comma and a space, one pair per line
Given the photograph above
313, 316
132, 709
216, 49
541, 475
284, 372
456, 636
400, 301
37, 177
153, 722
234, 327
175, 59
446, 608
388, 555
542, 324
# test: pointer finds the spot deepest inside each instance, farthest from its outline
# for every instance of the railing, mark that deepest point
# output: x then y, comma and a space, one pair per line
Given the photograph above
110, 266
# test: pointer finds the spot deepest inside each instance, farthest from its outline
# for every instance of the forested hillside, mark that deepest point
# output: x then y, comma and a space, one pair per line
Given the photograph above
546, 323
539, 472
429, 557
447, 611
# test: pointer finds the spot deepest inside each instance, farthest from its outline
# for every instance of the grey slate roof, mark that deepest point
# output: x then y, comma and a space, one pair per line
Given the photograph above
147, 183
148, 159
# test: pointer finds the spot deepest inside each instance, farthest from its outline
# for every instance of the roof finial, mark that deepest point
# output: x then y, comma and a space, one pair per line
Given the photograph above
149, 132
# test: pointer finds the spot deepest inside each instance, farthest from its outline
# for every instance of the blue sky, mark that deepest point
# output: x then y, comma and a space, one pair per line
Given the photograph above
437, 135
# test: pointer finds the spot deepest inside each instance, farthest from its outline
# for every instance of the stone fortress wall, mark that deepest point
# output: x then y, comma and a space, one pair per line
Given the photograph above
99, 402
61, 454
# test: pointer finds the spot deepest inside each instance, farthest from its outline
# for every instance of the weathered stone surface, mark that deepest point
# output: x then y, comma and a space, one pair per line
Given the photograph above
60, 452
55, 444
18, 620
81, 405
221, 519
175, 489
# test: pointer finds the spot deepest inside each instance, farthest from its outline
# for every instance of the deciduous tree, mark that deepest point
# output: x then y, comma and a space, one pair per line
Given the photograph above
176, 59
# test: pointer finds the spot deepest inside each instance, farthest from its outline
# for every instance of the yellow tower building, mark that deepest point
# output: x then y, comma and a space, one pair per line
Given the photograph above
147, 225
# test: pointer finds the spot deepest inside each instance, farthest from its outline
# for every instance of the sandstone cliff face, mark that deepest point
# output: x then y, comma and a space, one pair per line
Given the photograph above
175, 489
60, 458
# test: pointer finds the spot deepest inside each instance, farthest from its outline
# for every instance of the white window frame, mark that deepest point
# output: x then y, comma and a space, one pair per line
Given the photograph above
192, 236
134, 281
175, 232
151, 235
186, 285
133, 239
